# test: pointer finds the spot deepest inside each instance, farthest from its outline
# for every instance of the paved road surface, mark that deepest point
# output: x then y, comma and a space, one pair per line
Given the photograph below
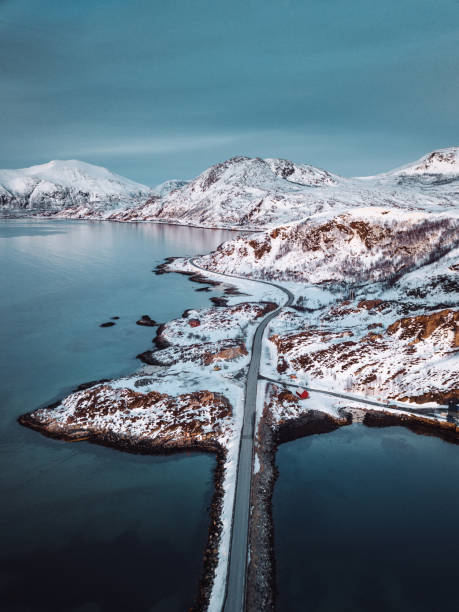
235, 589
236, 578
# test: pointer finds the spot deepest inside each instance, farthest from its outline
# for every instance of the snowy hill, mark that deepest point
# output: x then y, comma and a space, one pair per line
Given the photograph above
60, 184
376, 293
239, 191
164, 188
438, 168
251, 193
443, 161
259, 193
361, 245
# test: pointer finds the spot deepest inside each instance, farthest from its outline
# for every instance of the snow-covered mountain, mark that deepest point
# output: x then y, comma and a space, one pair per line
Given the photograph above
376, 294
441, 162
259, 193
164, 188
242, 192
437, 168
361, 245
61, 184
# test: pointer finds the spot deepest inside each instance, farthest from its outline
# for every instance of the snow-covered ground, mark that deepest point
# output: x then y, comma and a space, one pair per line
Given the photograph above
242, 192
264, 193
382, 344
361, 245
191, 402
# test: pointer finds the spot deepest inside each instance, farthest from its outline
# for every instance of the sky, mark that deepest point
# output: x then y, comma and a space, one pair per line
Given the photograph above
157, 90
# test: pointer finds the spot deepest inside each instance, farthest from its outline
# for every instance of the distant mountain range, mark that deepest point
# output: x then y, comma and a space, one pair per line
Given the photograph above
252, 193
58, 185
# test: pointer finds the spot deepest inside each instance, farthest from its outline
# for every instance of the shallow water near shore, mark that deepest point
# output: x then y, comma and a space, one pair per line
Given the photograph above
86, 528
366, 519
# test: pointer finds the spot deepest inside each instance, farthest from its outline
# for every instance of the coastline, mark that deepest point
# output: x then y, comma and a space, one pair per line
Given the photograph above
261, 569
130, 445
261, 576
52, 217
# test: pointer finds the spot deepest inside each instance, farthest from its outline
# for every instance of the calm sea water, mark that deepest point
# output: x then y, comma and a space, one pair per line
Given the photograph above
85, 528
367, 520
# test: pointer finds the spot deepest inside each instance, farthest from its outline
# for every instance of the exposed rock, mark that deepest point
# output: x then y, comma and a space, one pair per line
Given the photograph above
147, 321
205, 353
437, 397
225, 354
143, 382
219, 301
91, 383
422, 327
369, 304
358, 246
145, 420
404, 363
418, 424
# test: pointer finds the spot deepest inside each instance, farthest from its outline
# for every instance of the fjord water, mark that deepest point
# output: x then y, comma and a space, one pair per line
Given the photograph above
366, 519
86, 528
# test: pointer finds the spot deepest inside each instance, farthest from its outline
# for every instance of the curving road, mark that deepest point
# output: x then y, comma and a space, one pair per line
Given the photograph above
236, 577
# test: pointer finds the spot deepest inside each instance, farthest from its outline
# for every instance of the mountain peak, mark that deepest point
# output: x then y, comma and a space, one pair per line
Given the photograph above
62, 183
441, 161
302, 174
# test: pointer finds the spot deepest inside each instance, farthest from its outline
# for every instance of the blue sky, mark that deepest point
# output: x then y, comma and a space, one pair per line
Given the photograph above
156, 90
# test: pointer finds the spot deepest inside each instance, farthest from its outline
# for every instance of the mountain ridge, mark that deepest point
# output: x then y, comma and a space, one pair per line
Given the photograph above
62, 183
248, 192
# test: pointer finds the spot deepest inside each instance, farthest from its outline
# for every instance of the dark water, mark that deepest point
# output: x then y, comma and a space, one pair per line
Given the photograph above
85, 528
367, 520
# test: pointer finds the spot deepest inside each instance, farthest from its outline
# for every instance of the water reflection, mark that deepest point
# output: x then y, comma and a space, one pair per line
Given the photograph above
85, 527
364, 520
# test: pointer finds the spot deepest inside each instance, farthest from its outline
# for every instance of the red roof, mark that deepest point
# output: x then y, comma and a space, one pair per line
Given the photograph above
302, 394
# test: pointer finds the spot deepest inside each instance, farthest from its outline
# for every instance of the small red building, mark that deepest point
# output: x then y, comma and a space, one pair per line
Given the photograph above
194, 322
302, 394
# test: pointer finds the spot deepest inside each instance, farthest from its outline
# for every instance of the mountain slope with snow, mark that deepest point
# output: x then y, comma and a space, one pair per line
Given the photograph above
256, 193
242, 192
443, 161
376, 294
361, 245
61, 184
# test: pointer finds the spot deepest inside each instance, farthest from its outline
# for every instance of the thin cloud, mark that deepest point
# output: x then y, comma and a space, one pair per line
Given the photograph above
160, 145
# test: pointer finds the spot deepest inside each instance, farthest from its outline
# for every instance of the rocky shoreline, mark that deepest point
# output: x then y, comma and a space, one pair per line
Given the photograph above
131, 445
447, 431
260, 594
261, 590
261, 583
145, 446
